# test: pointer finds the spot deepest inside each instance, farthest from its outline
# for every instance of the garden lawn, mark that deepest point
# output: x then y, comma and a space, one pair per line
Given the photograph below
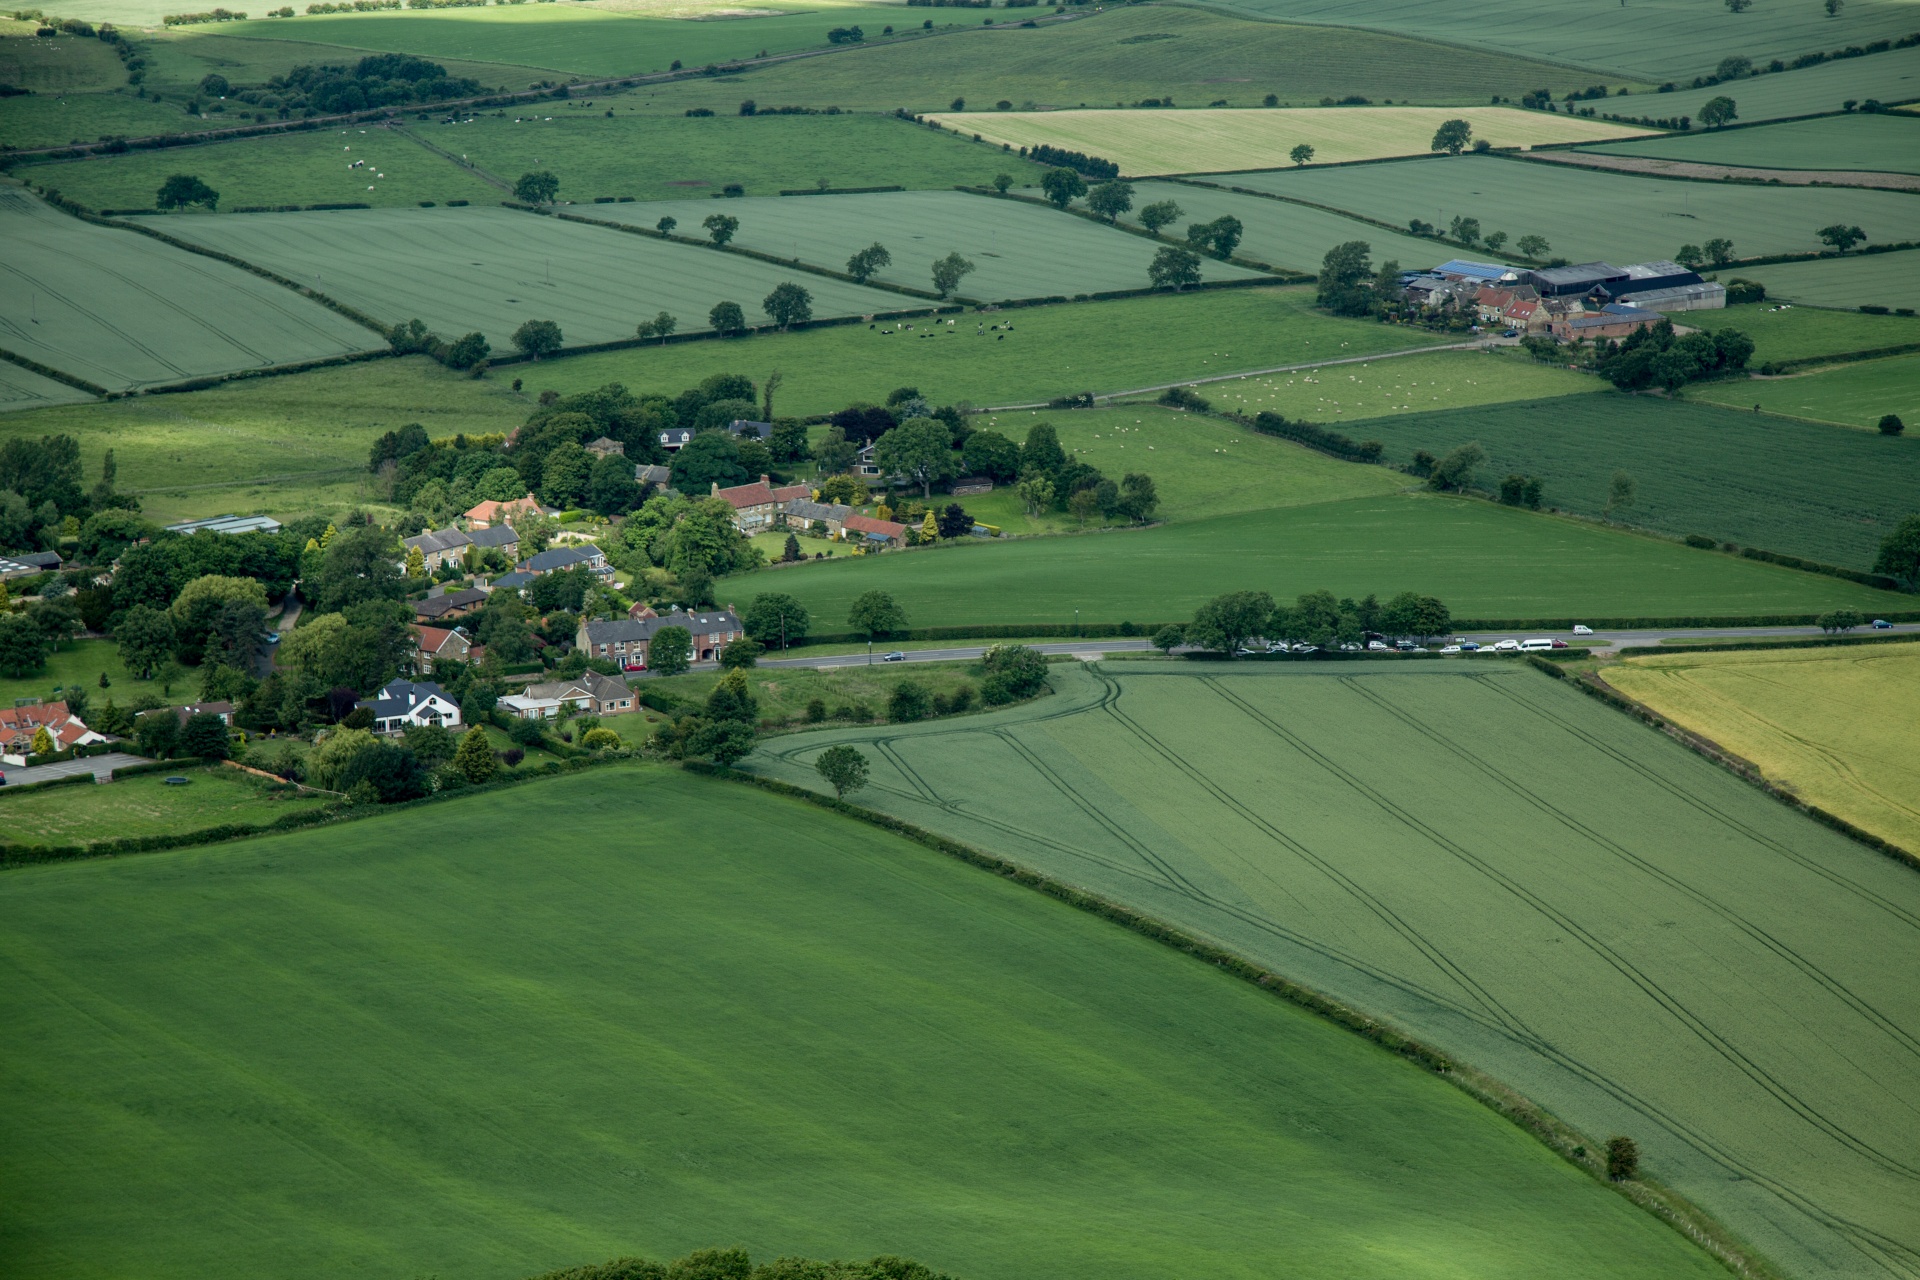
1797, 487
1888, 143
1344, 395
1279, 233
124, 310
290, 445
1834, 725
143, 806
1799, 333
76, 662
1632, 937
1893, 76
1143, 143
1650, 217
287, 169
1050, 351
1019, 249
1858, 394
1875, 279
654, 157
639, 1012
492, 269
1484, 561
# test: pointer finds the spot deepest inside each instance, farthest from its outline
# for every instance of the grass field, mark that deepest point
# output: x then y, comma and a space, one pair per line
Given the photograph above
1282, 234
1041, 255
123, 310
784, 692
289, 445
492, 269
1055, 350
824, 1041
1483, 560
62, 65
1888, 143
142, 806
179, 58
1832, 724
77, 662
1881, 279
1655, 41
294, 168
1858, 395
1893, 76
1652, 218
79, 118
1631, 936
1796, 487
1345, 395
1144, 143
1799, 333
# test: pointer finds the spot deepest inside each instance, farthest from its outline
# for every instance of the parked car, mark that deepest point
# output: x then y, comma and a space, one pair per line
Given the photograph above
1469, 646
1377, 646
1406, 646
1306, 648
1349, 648
1452, 648
1539, 644
1506, 646
1559, 644
1511, 333
895, 656
1881, 624
634, 666
270, 637
3, 779
1582, 629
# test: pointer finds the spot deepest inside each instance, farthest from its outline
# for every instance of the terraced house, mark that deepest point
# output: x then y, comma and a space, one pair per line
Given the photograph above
758, 506
627, 640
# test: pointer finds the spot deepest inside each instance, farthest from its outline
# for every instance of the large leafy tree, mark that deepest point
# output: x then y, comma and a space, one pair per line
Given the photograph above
1174, 268
1062, 186
788, 305
1111, 199
947, 272
670, 651
1451, 137
920, 449
538, 338
1344, 275
145, 637
1900, 553
538, 187
1226, 622
708, 459
775, 617
875, 614
24, 646
184, 189
843, 768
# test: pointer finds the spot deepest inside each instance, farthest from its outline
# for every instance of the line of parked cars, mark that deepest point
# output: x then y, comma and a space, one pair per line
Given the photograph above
1380, 644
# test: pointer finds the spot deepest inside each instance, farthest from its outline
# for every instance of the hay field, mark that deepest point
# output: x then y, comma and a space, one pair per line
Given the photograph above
1149, 142
1629, 935
1019, 250
1835, 725
491, 269
1856, 395
1649, 217
1887, 143
123, 310
1880, 279
672, 1013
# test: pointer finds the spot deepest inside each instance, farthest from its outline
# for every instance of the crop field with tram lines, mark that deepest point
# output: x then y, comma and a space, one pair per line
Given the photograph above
1888, 143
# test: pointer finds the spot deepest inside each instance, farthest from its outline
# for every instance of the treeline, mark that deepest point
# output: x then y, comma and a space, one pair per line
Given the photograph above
736, 1264
1656, 356
1227, 624
1078, 161
377, 80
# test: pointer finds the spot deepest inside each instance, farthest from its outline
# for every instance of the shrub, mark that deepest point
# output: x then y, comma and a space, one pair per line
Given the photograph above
1623, 1159
908, 702
600, 739
527, 733
1890, 425
816, 711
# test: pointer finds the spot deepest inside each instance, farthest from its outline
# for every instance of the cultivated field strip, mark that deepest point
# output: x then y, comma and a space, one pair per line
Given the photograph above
1885, 143
123, 310
25, 389
1279, 233
1881, 279
1631, 937
492, 269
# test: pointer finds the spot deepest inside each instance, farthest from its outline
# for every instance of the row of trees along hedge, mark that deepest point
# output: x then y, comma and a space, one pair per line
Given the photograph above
736, 1264
1227, 622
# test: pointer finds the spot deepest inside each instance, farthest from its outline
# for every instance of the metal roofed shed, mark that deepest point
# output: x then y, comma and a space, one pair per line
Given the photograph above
1581, 278
228, 524
1487, 271
1705, 296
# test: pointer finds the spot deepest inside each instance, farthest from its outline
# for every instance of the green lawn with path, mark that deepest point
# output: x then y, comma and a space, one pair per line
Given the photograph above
143, 806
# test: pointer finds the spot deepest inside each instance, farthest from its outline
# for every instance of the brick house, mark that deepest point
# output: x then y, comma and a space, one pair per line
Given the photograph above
438, 644
437, 547
489, 513
448, 604
753, 505
627, 640
496, 537
590, 692
1613, 321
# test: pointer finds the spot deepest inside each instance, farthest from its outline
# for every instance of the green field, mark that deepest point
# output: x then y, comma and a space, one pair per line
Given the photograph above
465, 1058
1344, 396
181, 57
293, 168
1858, 395
1287, 235
1656, 40
79, 118
784, 692
1888, 143
1880, 279
1056, 350
62, 65
1629, 935
76, 662
1800, 333
492, 269
655, 157
25, 389
143, 806
1891, 77
1649, 217
1041, 255
123, 310
1484, 561
1797, 487
289, 446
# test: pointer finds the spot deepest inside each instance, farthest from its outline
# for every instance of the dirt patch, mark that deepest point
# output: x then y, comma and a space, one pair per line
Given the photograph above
1724, 172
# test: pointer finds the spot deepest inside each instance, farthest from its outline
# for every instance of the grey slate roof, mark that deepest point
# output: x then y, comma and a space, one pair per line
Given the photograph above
561, 558
397, 697
801, 509
433, 540
499, 535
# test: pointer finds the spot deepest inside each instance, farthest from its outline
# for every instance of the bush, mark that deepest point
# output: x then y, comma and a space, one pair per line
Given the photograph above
741, 653
816, 711
527, 733
1014, 671
1890, 425
1702, 541
601, 739
908, 702
1623, 1159
1185, 398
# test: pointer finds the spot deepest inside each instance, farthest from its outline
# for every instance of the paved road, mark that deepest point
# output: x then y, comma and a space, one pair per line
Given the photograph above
101, 767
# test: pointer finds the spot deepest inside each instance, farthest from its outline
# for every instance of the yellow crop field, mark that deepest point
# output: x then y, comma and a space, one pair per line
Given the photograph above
1836, 725
1146, 142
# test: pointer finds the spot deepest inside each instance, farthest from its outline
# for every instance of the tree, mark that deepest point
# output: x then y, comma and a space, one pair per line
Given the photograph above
1733, 67
1345, 275
721, 741
1138, 497
741, 653
843, 768
727, 318
1174, 268
1451, 137
611, 488
1062, 186
537, 338
777, 618
474, 759
1495, 241
1532, 246
1301, 153
1841, 236
1159, 214
947, 272
1013, 671
538, 187
720, 227
920, 449
908, 702
1169, 638
1833, 7
1718, 111
1839, 620
1001, 181
1890, 425
988, 453
788, 304
671, 651
1719, 251
198, 606
875, 614
1623, 1154
661, 327
184, 189
1619, 492
158, 733
1455, 471
1111, 199
1900, 553
1219, 237
1035, 493
24, 646
1226, 622
145, 636
205, 735
862, 265
953, 521
469, 351
1465, 230
1420, 616
43, 743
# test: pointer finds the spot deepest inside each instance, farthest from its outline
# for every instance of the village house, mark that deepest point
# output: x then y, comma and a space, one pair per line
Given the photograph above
556, 559
405, 704
19, 724
486, 514
590, 692
437, 547
26, 564
606, 447
829, 518
434, 645
627, 640
496, 537
761, 505
652, 476
875, 533
442, 604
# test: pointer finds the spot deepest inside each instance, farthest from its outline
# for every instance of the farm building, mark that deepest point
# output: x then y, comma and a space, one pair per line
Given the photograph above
1612, 321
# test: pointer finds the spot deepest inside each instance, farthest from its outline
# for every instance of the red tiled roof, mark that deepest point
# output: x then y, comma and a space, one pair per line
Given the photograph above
867, 524
756, 494
793, 493
17, 725
434, 639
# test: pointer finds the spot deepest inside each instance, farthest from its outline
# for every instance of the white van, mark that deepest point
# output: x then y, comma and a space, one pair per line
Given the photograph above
1536, 646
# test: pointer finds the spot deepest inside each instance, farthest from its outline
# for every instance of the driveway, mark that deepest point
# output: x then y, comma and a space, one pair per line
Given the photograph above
101, 767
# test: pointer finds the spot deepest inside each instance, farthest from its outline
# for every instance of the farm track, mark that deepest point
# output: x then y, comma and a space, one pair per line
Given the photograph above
1721, 172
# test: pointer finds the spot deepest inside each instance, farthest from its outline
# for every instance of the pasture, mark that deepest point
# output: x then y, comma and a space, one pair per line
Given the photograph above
1800, 333
287, 169
144, 806
1893, 76
1798, 487
123, 310
1483, 560
674, 1011
56, 66
1054, 350
180, 57
1652, 217
1637, 940
1281, 234
1041, 255
1858, 395
1834, 725
80, 118
1346, 396
1887, 143
655, 157
1145, 143
1880, 279
491, 269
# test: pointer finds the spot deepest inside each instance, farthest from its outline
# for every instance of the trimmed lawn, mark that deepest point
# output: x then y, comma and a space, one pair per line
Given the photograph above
1857, 395
1797, 333
77, 662
143, 806
1875, 279
1887, 143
